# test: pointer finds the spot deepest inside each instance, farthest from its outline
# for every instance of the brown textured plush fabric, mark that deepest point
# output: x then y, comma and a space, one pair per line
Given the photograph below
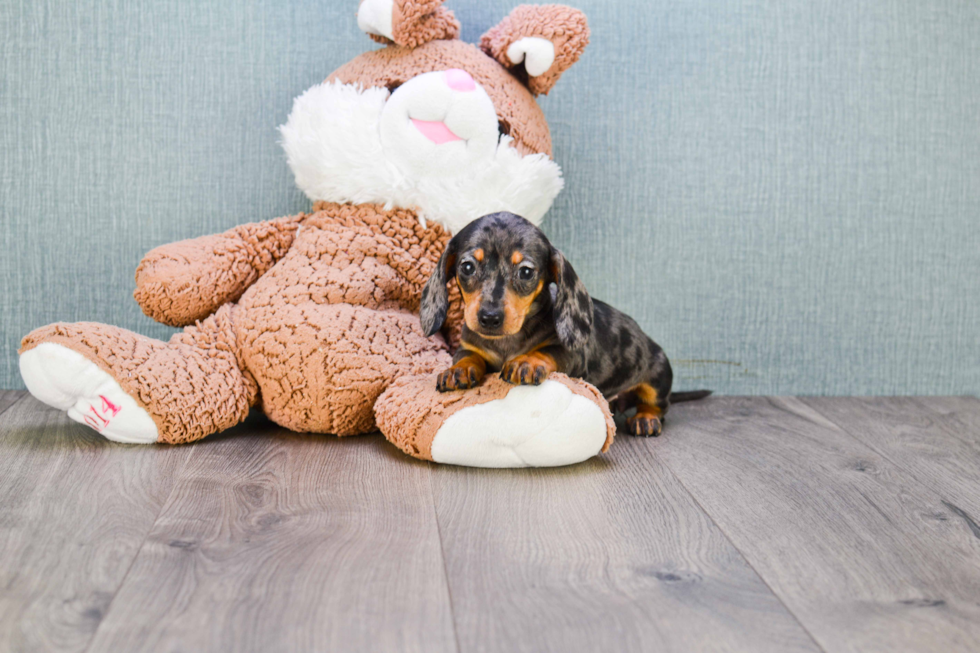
192, 386
315, 339
403, 235
565, 27
327, 329
183, 282
411, 410
414, 22
519, 114
313, 316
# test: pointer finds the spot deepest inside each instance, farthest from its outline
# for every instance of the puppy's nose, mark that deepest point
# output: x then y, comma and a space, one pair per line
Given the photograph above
459, 80
490, 318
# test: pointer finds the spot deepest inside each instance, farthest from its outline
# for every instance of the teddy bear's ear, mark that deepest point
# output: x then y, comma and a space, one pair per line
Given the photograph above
543, 40
409, 23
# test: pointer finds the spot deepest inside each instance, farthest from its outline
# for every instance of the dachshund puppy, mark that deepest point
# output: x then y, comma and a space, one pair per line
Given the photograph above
527, 315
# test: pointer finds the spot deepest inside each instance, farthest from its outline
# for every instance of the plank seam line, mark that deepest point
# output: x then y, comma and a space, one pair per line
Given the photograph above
747, 562
122, 582
924, 405
902, 467
870, 447
15, 402
445, 570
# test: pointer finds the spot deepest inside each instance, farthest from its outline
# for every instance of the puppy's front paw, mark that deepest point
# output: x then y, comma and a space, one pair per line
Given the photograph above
645, 425
459, 377
529, 369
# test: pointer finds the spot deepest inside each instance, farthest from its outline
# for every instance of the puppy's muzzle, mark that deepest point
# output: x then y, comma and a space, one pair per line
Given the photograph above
490, 319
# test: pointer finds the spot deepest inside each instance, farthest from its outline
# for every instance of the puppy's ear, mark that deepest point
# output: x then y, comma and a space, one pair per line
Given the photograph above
573, 306
435, 296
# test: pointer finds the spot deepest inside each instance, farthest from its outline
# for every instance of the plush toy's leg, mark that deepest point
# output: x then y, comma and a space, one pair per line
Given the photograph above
560, 422
322, 367
135, 389
65, 379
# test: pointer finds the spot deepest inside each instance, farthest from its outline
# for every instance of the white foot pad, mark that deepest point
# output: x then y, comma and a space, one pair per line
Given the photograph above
542, 426
66, 380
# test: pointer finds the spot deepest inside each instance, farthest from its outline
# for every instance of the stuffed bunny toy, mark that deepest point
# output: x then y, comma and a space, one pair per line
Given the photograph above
313, 318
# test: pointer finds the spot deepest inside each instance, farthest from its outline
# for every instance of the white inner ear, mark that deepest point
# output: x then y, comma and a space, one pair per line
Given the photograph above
374, 17
537, 54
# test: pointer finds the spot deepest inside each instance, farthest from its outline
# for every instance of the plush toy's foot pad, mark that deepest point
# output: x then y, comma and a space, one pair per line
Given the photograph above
66, 380
560, 422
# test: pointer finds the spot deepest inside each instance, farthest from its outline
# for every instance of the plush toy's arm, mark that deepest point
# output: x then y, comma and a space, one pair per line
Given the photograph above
546, 40
183, 282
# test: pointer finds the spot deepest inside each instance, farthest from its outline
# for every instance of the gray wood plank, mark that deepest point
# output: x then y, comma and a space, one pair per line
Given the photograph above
74, 511
9, 397
936, 439
864, 555
610, 555
276, 541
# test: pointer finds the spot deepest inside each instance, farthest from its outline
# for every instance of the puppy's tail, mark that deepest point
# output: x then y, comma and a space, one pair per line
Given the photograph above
692, 395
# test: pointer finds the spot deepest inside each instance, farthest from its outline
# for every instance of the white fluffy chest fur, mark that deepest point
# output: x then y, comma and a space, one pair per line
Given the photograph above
334, 146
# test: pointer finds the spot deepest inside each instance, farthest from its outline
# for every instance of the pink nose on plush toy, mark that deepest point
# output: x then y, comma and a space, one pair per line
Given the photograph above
459, 80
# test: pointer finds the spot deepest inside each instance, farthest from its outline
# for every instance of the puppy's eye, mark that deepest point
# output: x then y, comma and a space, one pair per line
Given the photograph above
525, 273
467, 268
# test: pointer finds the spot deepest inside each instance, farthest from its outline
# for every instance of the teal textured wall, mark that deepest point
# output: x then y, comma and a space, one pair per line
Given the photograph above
784, 193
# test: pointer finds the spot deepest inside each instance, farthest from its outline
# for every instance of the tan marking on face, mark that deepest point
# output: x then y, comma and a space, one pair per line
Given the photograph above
478, 255
471, 307
516, 257
517, 306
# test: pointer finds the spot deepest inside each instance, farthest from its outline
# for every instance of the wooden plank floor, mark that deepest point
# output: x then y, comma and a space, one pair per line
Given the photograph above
753, 524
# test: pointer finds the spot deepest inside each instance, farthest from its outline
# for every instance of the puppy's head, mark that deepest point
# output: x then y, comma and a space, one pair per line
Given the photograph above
504, 266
